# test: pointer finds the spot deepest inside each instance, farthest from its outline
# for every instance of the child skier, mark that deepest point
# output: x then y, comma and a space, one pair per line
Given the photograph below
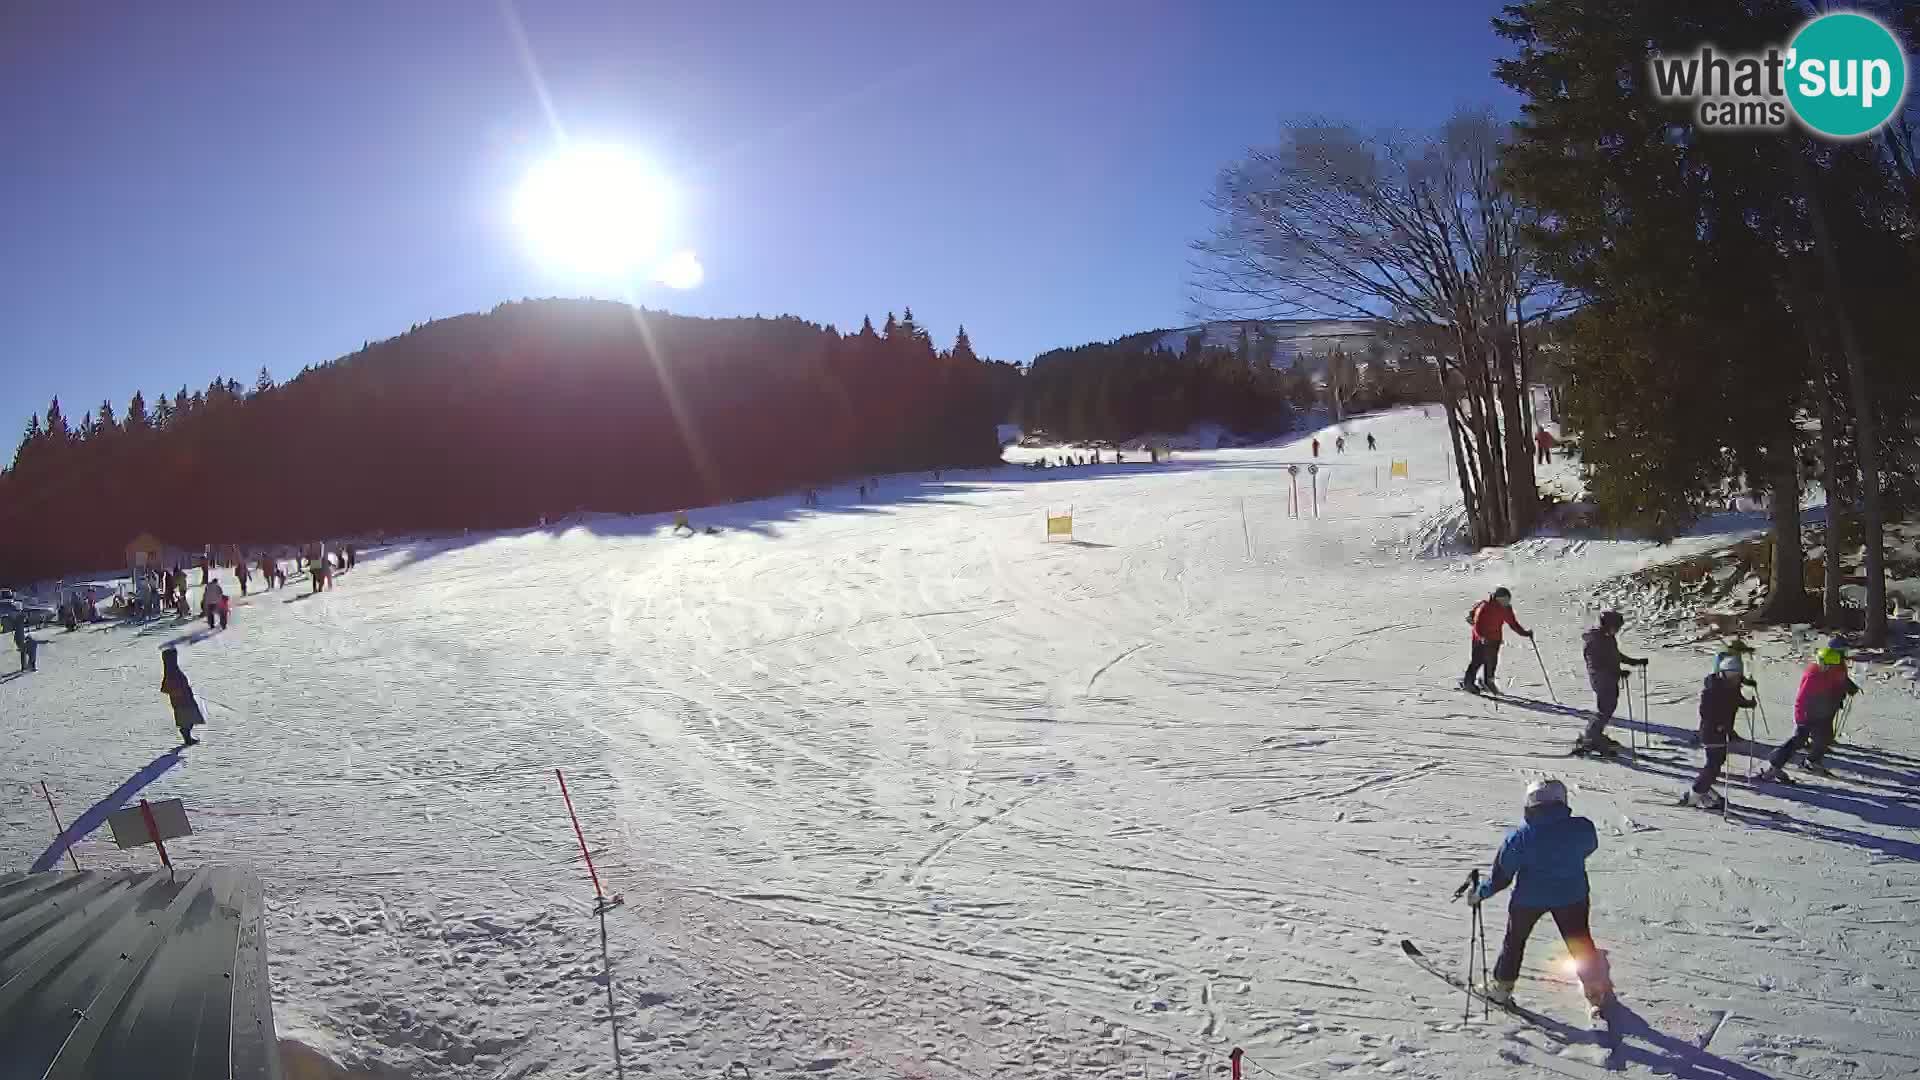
1604, 672
1545, 860
1489, 617
173, 683
1824, 687
1720, 702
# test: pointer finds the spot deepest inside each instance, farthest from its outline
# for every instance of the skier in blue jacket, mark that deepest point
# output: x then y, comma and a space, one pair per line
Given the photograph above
1545, 860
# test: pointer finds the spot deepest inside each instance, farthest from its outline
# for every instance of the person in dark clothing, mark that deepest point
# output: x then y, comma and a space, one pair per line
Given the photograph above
1545, 860
1371, 445
240, 571
1604, 672
1720, 702
28, 647
173, 683
1488, 619
353, 556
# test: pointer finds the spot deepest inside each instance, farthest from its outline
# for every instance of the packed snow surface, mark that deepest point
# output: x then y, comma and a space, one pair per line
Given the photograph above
898, 788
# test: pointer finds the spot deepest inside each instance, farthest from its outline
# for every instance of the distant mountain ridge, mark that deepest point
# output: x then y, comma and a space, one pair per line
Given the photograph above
1290, 338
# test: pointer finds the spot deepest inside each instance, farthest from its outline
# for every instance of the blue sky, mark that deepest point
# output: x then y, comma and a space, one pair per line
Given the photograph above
202, 189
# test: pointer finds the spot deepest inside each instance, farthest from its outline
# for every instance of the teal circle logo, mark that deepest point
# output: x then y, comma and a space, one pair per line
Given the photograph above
1847, 75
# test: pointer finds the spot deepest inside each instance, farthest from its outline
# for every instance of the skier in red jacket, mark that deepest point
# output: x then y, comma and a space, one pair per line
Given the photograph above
1490, 617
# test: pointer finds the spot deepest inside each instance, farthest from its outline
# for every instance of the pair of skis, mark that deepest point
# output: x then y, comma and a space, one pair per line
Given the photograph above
1601, 1034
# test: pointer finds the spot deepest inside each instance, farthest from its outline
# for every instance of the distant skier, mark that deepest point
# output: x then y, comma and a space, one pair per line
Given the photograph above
1543, 446
1720, 703
1489, 619
1371, 445
1316, 447
1340, 445
173, 683
240, 571
1824, 687
1603, 655
1546, 862
353, 556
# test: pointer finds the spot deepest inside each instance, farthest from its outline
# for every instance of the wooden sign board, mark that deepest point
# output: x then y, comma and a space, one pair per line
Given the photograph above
130, 825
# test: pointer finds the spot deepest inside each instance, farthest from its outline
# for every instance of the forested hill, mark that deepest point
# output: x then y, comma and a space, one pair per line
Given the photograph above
538, 407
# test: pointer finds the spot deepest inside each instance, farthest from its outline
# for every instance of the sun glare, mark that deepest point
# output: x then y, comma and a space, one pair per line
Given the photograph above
594, 209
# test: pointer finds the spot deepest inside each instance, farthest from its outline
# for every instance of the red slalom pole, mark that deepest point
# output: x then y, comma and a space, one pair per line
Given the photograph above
582, 837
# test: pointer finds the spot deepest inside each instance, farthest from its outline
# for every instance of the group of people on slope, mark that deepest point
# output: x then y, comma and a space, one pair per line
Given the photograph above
1544, 858
1340, 444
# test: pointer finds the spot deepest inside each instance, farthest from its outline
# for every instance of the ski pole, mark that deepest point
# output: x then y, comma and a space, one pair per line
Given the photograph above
1646, 701
1473, 931
1632, 729
1543, 670
1486, 978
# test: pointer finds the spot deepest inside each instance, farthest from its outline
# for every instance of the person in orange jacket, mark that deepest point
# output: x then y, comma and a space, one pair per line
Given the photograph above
1489, 618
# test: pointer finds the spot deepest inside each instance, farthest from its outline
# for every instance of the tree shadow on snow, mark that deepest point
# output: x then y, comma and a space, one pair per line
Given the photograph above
189, 639
765, 516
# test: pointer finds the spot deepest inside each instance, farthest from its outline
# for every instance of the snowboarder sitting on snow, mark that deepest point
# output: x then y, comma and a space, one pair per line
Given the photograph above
1823, 689
173, 683
1604, 673
1720, 701
1489, 617
1546, 862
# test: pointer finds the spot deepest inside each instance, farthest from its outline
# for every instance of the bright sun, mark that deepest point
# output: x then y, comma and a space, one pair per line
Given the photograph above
594, 209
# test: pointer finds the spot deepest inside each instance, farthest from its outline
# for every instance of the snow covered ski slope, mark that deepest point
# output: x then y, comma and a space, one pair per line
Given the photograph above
897, 788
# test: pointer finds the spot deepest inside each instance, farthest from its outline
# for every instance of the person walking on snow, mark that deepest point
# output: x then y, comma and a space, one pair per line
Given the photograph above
1371, 445
1545, 860
1604, 672
29, 648
1543, 444
173, 683
1720, 702
1489, 618
212, 601
1824, 687
1340, 445
1316, 447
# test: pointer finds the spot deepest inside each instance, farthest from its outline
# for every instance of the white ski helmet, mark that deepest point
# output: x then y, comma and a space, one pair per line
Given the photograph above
1730, 662
1542, 792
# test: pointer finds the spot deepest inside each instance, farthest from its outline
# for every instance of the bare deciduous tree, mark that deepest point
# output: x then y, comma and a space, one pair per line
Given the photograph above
1331, 223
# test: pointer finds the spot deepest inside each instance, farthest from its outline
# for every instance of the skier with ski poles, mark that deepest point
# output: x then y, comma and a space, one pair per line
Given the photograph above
1545, 860
1720, 703
1489, 618
1604, 672
1824, 688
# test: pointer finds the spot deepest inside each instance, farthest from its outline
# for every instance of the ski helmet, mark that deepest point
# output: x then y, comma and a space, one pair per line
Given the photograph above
1612, 620
1730, 662
1542, 792
1837, 644
1503, 593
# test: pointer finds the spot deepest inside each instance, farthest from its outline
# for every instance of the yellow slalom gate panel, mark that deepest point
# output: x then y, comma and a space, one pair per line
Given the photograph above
1399, 469
1060, 525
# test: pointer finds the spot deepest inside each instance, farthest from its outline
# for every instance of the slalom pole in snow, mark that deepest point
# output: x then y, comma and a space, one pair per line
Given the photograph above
601, 905
1543, 670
